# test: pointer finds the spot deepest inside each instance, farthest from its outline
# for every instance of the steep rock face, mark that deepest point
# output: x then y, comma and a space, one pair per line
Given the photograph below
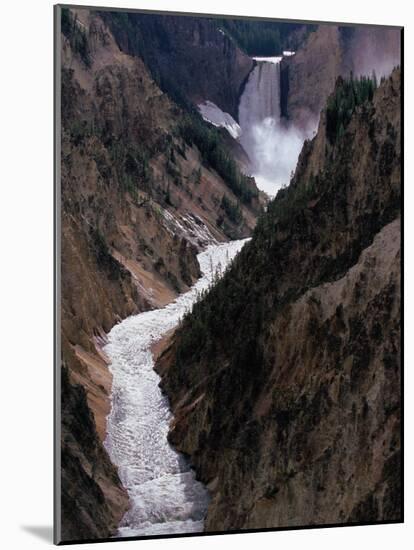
137, 204
371, 48
334, 456
308, 77
190, 54
285, 379
92, 499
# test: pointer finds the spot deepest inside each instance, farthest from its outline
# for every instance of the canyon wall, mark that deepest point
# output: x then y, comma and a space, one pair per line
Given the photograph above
285, 379
309, 76
190, 56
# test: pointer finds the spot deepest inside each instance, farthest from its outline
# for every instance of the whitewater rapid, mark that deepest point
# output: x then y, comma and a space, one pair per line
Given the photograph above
164, 494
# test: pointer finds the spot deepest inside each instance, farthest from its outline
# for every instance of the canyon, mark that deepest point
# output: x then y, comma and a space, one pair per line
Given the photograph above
173, 139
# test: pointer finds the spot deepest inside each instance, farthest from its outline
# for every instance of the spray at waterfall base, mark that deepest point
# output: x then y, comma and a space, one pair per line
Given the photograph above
271, 142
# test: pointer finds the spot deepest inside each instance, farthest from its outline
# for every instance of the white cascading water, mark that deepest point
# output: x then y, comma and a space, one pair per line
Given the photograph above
261, 97
164, 494
272, 146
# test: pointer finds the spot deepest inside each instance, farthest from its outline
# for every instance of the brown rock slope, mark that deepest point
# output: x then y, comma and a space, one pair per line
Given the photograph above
285, 379
308, 77
138, 201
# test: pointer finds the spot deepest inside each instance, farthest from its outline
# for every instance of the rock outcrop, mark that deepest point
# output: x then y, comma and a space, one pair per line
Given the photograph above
138, 201
285, 379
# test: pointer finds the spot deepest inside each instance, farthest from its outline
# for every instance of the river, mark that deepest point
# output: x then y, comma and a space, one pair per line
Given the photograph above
165, 496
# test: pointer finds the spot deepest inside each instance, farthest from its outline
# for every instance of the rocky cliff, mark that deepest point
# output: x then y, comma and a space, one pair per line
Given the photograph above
285, 379
308, 77
143, 189
189, 56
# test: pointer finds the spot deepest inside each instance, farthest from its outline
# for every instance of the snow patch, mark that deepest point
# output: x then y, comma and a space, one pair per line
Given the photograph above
213, 114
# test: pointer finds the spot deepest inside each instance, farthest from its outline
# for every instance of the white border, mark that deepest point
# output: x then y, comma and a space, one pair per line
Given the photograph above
26, 229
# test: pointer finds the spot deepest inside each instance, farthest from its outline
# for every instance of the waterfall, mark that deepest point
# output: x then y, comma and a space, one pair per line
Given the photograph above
261, 98
273, 147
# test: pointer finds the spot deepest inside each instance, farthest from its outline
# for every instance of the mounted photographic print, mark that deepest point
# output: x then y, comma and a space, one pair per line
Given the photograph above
228, 274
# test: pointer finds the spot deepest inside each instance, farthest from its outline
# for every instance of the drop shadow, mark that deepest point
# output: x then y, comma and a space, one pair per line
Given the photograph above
43, 532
